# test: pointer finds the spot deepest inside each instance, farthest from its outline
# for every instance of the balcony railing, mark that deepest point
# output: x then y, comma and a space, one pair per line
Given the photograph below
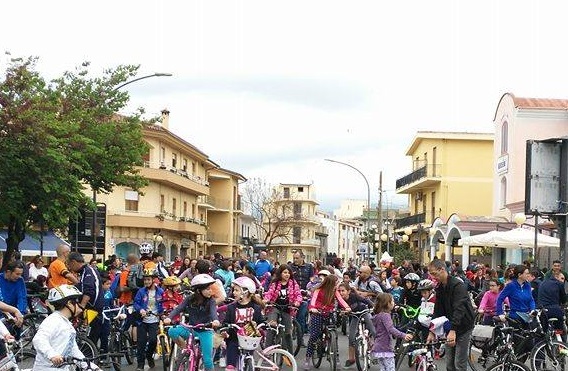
426, 171
195, 178
410, 220
217, 203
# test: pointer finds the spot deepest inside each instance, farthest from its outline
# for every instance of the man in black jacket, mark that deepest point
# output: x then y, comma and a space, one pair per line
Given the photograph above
452, 301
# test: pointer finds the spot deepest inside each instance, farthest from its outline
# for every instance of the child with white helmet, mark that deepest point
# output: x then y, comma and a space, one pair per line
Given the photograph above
200, 308
242, 311
55, 337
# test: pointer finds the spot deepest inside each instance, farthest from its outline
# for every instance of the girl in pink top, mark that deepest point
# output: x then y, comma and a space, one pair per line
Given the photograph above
322, 304
488, 302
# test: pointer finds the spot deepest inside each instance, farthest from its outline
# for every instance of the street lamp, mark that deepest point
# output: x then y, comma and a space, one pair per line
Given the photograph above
94, 223
407, 233
369, 245
157, 238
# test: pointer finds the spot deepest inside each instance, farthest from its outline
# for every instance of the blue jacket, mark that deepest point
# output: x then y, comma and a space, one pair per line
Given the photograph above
14, 293
520, 298
141, 299
90, 284
261, 267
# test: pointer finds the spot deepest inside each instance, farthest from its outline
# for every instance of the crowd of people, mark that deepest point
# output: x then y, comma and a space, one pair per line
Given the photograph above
215, 290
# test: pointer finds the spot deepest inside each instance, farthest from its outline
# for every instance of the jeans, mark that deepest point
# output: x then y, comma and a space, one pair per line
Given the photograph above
147, 335
302, 315
456, 356
285, 319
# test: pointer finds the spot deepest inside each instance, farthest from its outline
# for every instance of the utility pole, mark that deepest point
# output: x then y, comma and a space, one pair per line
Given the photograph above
380, 214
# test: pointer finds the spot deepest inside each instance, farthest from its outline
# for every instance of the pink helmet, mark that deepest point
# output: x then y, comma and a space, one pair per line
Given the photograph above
246, 283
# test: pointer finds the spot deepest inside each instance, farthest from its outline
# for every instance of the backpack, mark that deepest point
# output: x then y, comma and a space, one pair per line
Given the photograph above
135, 279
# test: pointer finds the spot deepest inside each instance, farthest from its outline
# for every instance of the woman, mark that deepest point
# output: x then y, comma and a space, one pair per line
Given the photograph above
519, 293
185, 265
36, 268
226, 273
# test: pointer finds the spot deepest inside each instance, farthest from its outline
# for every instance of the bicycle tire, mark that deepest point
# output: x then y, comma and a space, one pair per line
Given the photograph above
173, 355
362, 359
297, 336
87, 347
289, 362
26, 359
399, 353
549, 356
509, 366
333, 350
114, 346
127, 347
422, 365
319, 350
248, 365
182, 363
165, 356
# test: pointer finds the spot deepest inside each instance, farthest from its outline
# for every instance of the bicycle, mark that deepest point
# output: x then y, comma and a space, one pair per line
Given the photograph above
327, 344
268, 358
296, 333
423, 354
363, 341
506, 359
189, 359
120, 341
84, 364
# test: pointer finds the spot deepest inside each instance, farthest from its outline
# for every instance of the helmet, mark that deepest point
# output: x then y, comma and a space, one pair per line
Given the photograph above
246, 283
63, 292
171, 281
202, 280
145, 248
425, 285
324, 272
150, 272
412, 277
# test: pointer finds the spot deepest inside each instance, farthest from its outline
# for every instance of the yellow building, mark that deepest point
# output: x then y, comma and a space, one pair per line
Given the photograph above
451, 172
296, 224
190, 206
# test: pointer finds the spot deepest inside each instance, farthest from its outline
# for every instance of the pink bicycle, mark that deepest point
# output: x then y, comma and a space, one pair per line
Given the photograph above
190, 358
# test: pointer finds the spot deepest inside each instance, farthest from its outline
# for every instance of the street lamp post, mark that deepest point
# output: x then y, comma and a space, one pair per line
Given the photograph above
157, 238
369, 245
94, 223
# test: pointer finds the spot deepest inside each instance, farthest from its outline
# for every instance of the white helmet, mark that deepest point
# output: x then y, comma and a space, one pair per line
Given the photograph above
246, 283
425, 284
145, 248
324, 272
202, 280
63, 292
412, 277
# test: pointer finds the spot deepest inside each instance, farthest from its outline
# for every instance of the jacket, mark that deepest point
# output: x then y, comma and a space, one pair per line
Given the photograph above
294, 294
452, 301
302, 274
141, 299
90, 284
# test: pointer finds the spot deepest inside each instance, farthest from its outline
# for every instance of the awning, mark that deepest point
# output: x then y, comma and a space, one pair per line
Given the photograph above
30, 246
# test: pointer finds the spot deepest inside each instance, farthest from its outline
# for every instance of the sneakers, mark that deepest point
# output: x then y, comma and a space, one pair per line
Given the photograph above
140, 368
348, 364
230, 368
222, 362
307, 365
151, 363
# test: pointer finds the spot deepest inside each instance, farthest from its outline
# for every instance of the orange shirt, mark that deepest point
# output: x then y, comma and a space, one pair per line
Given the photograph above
125, 296
57, 271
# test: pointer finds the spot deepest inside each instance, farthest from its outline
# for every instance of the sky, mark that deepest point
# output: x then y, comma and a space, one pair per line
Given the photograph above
269, 89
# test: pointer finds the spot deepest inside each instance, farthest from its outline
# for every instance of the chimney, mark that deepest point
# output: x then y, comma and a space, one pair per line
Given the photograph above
166, 119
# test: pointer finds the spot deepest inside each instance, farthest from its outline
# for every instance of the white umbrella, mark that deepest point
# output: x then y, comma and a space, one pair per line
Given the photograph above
515, 238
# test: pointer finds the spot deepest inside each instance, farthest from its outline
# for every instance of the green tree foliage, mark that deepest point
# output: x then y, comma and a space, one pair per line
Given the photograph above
59, 136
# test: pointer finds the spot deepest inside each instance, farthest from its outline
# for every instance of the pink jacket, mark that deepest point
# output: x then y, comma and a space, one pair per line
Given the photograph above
317, 301
294, 294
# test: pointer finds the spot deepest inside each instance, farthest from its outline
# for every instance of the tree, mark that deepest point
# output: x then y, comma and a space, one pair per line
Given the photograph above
273, 214
56, 138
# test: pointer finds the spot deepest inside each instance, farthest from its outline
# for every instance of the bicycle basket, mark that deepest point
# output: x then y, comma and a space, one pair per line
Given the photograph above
481, 335
249, 342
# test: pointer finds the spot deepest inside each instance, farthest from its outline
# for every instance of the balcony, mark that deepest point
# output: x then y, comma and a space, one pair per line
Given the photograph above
213, 203
423, 177
175, 178
134, 219
218, 237
410, 220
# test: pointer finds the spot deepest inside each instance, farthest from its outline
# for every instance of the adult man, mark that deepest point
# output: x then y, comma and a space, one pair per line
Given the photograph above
58, 272
126, 293
552, 296
364, 285
302, 274
262, 265
90, 285
556, 268
452, 301
13, 289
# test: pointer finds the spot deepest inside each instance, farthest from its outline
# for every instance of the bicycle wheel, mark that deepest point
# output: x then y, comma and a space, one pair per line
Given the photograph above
248, 365
165, 355
114, 346
549, 356
128, 348
333, 350
319, 350
508, 366
288, 360
362, 356
422, 365
173, 355
87, 347
182, 363
297, 337
399, 353
25, 359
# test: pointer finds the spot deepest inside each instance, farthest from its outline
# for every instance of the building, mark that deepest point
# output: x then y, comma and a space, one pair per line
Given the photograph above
293, 225
190, 206
450, 171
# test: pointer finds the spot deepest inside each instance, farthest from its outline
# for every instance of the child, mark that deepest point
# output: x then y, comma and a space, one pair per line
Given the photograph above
322, 303
411, 296
396, 290
241, 312
284, 291
55, 337
489, 300
384, 329
108, 302
201, 308
171, 297
357, 303
426, 288
148, 304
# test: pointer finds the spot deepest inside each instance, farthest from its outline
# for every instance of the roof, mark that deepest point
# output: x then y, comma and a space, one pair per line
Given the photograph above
534, 103
448, 135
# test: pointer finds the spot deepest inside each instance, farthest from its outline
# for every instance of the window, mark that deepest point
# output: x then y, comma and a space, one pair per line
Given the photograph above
433, 212
184, 209
300, 189
193, 168
297, 209
163, 154
131, 200
185, 164
162, 204
286, 192
146, 159
504, 137
174, 207
193, 210
174, 160
503, 193
434, 153
297, 234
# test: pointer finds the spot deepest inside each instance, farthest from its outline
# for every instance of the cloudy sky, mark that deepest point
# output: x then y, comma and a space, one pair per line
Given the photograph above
270, 89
